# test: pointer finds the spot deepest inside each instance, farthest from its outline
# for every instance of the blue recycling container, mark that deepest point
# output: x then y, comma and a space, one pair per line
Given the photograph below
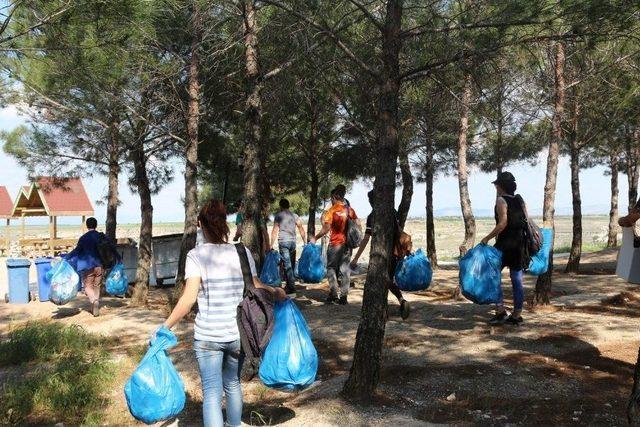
43, 265
18, 270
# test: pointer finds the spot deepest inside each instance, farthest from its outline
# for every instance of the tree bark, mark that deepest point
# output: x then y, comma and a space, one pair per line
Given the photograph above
141, 177
365, 370
407, 186
253, 158
573, 264
431, 232
191, 153
313, 169
113, 179
463, 172
633, 169
633, 407
612, 240
543, 284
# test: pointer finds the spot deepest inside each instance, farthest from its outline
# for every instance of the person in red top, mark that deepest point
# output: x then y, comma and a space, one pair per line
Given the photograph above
338, 254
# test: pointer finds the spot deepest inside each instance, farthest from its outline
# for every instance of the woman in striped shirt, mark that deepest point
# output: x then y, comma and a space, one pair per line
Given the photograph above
214, 279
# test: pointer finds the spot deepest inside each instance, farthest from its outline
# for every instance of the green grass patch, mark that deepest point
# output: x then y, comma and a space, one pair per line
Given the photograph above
54, 373
586, 248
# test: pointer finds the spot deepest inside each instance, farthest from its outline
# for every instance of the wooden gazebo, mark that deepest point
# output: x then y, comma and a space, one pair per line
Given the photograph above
6, 209
52, 197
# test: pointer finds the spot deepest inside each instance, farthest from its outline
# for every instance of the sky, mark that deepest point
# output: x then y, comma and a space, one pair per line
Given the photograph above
595, 187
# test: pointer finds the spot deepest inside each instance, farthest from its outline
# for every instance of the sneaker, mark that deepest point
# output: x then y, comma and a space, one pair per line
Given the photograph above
499, 318
95, 309
343, 300
514, 320
405, 309
291, 292
331, 299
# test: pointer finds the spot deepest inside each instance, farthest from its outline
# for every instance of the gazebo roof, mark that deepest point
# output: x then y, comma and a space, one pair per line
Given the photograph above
6, 205
52, 196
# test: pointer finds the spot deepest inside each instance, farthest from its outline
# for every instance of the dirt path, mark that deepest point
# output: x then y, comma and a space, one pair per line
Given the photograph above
568, 364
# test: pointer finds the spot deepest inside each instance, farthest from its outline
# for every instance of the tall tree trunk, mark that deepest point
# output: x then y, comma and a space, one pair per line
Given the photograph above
191, 152
253, 158
573, 264
365, 370
612, 240
633, 407
463, 170
141, 177
543, 284
113, 179
633, 168
407, 186
431, 231
313, 166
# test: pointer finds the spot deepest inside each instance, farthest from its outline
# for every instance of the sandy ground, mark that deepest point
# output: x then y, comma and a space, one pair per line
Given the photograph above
568, 364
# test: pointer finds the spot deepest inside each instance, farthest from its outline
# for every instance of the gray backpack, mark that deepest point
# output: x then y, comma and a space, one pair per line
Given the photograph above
254, 317
353, 231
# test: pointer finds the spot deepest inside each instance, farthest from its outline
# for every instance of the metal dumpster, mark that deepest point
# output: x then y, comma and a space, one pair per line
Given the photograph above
128, 250
166, 252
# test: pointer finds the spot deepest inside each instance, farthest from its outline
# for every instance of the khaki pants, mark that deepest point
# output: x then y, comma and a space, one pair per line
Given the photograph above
92, 279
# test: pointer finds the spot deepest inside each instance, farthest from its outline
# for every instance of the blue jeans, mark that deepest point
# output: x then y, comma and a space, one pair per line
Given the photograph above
518, 290
220, 364
288, 254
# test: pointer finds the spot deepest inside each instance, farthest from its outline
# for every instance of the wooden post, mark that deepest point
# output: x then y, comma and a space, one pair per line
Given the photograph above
52, 234
84, 224
7, 236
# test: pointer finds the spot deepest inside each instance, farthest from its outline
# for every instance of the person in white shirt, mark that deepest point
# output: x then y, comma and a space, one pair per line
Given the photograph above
214, 279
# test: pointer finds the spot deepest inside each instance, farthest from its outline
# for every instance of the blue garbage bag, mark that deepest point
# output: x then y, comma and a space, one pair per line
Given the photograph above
290, 361
540, 261
414, 272
117, 280
480, 274
270, 274
64, 282
311, 268
155, 391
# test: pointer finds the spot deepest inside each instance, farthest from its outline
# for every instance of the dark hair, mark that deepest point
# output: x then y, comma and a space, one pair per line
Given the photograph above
91, 223
509, 187
213, 220
284, 204
371, 195
340, 191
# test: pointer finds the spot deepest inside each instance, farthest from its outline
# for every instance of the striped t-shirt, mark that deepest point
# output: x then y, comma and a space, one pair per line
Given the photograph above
218, 267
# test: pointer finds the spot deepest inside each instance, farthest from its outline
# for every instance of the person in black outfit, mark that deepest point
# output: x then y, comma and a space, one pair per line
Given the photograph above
510, 233
405, 308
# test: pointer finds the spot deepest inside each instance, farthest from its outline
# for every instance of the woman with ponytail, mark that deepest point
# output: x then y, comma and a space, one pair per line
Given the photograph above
214, 279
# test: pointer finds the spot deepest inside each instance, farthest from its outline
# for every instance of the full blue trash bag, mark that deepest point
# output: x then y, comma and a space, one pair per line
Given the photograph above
290, 361
414, 272
155, 391
117, 280
270, 274
310, 266
64, 282
480, 274
540, 261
